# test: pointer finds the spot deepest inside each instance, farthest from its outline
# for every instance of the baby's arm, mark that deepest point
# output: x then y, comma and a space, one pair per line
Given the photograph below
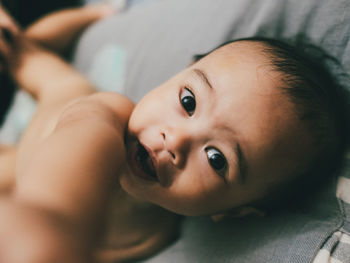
65, 177
68, 168
38, 71
80, 144
44, 75
58, 31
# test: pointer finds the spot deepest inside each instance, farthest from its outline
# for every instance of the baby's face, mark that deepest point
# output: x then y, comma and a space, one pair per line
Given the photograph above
218, 135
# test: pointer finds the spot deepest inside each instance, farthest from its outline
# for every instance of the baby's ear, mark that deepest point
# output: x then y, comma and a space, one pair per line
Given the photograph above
238, 212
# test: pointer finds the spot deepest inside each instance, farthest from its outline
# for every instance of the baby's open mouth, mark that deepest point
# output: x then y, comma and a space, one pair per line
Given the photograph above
145, 162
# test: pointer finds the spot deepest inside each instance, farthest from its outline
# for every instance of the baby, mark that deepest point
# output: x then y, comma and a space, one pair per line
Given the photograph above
223, 137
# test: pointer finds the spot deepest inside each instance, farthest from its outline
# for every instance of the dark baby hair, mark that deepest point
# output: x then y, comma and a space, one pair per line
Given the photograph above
321, 104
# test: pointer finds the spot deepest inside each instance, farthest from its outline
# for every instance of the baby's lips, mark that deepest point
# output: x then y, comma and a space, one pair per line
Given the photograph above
165, 173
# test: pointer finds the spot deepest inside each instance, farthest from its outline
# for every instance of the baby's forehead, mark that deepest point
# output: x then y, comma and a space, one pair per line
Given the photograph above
240, 53
245, 47
252, 58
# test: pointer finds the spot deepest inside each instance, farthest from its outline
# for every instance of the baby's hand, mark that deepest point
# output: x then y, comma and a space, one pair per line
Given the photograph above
7, 21
9, 31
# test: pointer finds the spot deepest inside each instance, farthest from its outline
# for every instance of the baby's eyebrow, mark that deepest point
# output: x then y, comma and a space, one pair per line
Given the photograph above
203, 77
242, 164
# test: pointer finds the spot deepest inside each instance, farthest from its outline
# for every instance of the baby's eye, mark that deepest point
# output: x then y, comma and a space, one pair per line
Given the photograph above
217, 160
188, 101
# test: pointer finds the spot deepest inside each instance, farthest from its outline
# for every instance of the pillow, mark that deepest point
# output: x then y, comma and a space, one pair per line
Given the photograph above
135, 51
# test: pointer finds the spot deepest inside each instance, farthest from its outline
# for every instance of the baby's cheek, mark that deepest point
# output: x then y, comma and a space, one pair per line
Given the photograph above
198, 196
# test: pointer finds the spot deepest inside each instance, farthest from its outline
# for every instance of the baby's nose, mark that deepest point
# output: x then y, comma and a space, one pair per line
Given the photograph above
178, 143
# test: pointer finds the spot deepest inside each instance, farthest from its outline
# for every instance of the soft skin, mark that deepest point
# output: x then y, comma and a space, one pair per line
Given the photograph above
245, 106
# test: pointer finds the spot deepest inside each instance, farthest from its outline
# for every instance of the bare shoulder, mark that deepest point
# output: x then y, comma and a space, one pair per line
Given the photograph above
116, 103
86, 145
84, 118
97, 121
103, 107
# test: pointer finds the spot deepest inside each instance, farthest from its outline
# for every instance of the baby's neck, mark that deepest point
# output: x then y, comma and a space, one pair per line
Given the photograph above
131, 221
